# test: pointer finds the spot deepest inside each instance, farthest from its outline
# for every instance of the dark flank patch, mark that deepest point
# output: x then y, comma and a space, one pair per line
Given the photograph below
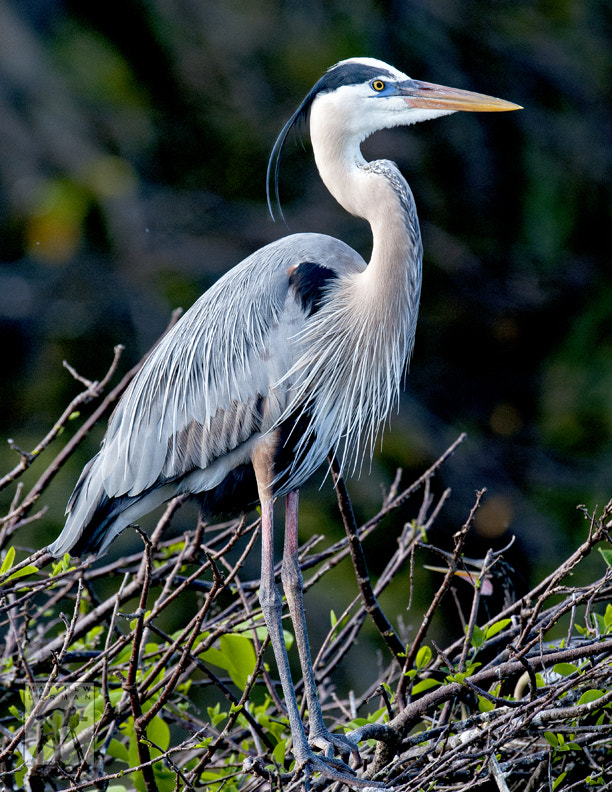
308, 280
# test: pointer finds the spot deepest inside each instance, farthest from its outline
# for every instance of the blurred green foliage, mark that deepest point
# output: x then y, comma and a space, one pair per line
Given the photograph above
133, 147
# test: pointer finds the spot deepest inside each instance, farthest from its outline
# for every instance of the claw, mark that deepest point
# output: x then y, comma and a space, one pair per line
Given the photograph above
336, 743
334, 770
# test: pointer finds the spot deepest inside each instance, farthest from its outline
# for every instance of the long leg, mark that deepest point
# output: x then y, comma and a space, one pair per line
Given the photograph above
293, 585
271, 605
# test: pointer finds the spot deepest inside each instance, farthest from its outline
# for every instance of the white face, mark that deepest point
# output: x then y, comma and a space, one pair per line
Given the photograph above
360, 110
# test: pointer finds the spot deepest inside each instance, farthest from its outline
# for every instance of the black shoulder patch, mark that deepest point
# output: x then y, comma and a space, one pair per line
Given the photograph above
308, 280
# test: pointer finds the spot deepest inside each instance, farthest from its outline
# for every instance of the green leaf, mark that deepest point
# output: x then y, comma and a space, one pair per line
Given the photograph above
478, 637
240, 652
565, 669
484, 705
279, 752
423, 657
118, 751
590, 695
551, 739
159, 733
7, 563
63, 565
606, 554
425, 684
215, 714
26, 570
558, 780
497, 627
608, 618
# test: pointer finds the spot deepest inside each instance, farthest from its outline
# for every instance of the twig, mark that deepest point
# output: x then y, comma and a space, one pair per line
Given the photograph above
370, 602
459, 539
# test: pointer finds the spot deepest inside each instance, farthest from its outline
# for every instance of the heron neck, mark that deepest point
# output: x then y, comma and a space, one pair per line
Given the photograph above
377, 192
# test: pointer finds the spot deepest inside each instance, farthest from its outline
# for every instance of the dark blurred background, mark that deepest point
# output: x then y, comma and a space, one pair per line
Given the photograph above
134, 139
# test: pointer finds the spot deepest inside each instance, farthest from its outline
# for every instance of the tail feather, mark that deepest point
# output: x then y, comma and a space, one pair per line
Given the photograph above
94, 519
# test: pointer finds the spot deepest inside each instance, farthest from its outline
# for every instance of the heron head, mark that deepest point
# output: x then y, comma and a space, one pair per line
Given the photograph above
363, 95
359, 96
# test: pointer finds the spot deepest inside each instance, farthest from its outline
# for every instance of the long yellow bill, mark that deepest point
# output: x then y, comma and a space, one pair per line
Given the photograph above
439, 97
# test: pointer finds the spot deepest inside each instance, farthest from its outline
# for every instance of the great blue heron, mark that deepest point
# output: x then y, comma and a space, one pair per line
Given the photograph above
297, 351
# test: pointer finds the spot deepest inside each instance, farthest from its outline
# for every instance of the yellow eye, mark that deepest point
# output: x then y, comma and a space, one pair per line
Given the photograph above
378, 85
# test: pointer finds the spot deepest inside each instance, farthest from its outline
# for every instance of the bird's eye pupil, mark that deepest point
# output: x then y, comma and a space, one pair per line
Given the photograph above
378, 85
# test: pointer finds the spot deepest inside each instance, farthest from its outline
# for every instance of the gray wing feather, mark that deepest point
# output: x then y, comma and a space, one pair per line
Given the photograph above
196, 396
213, 385
199, 394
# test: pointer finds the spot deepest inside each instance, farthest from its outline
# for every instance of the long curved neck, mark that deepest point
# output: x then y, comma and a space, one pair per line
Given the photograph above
377, 192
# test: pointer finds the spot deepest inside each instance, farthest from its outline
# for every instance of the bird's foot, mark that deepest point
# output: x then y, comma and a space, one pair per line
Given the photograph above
332, 744
333, 769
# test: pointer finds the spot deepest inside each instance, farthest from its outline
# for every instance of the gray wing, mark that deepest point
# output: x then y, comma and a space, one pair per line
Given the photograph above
212, 386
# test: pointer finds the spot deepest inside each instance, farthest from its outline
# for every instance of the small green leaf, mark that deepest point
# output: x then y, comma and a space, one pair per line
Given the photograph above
118, 751
478, 637
497, 627
423, 657
7, 563
26, 570
63, 565
565, 669
425, 684
606, 554
333, 618
590, 695
558, 780
215, 714
279, 752
551, 739
159, 734
241, 652
484, 705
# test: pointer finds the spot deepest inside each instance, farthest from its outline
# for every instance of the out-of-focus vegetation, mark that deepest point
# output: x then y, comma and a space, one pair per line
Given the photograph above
133, 147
